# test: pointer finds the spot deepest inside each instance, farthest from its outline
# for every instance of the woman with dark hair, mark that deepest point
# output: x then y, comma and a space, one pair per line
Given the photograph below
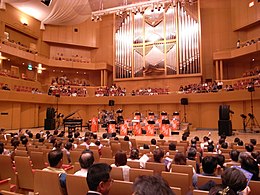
121, 161
250, 165
134, 154
179, 159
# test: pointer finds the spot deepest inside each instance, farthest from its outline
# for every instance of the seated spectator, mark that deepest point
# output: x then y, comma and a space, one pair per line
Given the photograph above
151, 185
98, 179
5, 87
179, 159
86, 159
249, 148
55, 161
3, 151
253, 142
67, 148
126, 138
192, 152
221, 161
158, 155
234, 154
240, 143
134, 154
121, 161
249, 164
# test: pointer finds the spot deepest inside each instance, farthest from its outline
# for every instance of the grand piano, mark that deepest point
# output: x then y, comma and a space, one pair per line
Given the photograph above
72, 122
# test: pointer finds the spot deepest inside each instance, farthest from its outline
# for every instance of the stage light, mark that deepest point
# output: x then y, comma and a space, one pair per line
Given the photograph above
251, 115
243, 116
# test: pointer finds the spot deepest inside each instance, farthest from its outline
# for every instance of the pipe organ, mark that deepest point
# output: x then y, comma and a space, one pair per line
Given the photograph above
158, 42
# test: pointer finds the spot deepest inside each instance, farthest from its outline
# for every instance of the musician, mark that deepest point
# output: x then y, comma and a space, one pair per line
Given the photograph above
59, 120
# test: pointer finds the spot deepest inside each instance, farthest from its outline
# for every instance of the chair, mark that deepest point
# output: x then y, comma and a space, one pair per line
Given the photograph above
106, 152
5, 184
115, 147
46, 182
73, 182
176, 190
121, 187
254, 186
74, 156
192, 163
125, 146
109, 161
133, 141
200, 192
187, 169
133, 164
76, 167
117, 173
37, 160
204, 179
96, 155
8, 170
21, 153
5, 192
134, 173
180, 180
65, 159
25, 174
156, 167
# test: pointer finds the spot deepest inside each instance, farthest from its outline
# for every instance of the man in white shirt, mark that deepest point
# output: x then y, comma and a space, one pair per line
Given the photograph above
86, 159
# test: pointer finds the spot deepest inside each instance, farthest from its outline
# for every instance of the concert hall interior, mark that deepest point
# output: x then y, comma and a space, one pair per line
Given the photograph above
132, 67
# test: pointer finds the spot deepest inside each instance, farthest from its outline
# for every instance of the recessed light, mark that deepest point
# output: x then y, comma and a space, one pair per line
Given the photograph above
77, 72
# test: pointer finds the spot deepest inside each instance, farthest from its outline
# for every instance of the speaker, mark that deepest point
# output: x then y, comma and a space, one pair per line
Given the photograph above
224, 111
50, 113
111, 102
49, 124
225, 127
184, 101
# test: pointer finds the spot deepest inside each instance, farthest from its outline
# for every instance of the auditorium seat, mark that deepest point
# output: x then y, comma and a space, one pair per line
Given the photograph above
46, 183
177, 191
254, 186
115, 147
156, 167
121, 187
204, 179
37, 160
117, 173
200, 192
5, 184
8, 171
187, 169
133, 164
125, 146
107, 160
74, 156
134, 173
73, 182
106, 152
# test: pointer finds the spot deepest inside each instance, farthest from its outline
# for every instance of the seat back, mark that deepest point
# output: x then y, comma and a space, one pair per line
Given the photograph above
106, 152
125, 146
133, 164
115, 147
156, 167
180, 180
192, 163
109, 161
134, 173
46, 182
74, 156
188, 169
117, 173
25, 174
65, 159
121, 187
37, 160
177, 191
5, 184
5, 192
73, 182
200, 192
7, 170
76, 167
254, 186
96, 155
21, 153
204, 179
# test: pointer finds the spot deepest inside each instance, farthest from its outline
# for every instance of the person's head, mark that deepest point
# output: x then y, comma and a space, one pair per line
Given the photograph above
224, 145
145, 146
94, 136
197, 138
192, 153
113, 134
240, 143
179, 159
86, 159
235, 179
221, 160
134, 153
249, 164
161, 136
126, 138
58, 144
104, 135
153, 141
172, 146
68, 146
55, 158
236, 140
151, 185
249, 148
205, 139
221, 141
158, 155
209, 164
98, 178
220, 190
253, 142
116, 138
120, 158
210, 148
24, 141
234, 154
184, 137
193, 141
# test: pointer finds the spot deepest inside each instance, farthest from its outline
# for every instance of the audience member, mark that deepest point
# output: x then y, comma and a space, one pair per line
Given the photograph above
86, 159
55, 161
121, 161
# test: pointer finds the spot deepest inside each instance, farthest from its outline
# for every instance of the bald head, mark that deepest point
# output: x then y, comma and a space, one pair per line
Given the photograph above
86, 159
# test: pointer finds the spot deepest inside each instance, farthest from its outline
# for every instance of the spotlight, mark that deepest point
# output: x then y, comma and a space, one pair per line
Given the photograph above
243, 116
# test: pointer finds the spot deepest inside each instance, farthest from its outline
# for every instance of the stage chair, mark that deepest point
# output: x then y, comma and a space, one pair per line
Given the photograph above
109, 161
199, 192
74, 156
106, 152
134, 173
187, 169
180, 180
176, 190
156, 167
133, 164
204, 179
254, 186
46, 182
37, 160
73, 182
115, 147
25, 175
121, 187
117, 173
7, 170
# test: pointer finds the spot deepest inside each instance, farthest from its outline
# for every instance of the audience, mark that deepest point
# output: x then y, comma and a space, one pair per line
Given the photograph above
121, 161
86, 159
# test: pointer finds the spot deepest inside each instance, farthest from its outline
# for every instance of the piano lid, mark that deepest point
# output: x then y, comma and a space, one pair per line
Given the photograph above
71, 114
